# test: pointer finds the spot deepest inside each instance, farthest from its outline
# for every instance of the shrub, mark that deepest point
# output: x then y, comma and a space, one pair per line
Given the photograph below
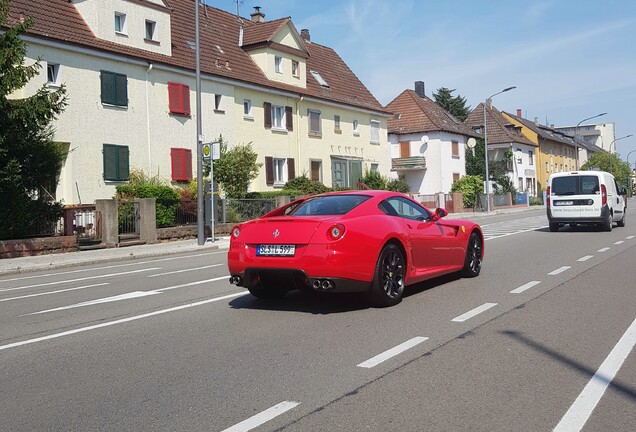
398, 185
305, 186
167, 200
470, 187
374, 180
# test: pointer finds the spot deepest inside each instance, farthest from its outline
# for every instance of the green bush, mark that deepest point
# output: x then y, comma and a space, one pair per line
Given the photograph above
306, 186
470, 187
398, 185
167, 200
374, 180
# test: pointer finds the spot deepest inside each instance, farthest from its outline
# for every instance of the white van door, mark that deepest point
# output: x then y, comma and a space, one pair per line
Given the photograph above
576, 196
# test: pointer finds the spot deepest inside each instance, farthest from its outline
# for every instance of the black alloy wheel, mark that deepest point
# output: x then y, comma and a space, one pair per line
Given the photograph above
388, 284
472, 263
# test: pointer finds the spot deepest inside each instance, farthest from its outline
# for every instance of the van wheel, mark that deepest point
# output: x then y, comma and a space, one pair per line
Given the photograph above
609, 223
554, 227
621, 223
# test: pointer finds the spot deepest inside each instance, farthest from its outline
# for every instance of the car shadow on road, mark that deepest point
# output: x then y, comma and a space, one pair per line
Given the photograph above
329, 303
577, 228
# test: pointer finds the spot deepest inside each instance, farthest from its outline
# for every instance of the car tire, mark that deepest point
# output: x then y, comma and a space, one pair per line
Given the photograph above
554, 227
387, 287
265, 292
621, 223
609, 222
472, 262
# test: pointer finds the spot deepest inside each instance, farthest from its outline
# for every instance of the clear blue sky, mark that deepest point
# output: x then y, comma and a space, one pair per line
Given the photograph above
570, 59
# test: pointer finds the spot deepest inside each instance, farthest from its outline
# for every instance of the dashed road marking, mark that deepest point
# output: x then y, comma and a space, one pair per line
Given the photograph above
374, 361
585, 258
525, 287
605, 249
559, 270
619, 242
471, 313
262, 417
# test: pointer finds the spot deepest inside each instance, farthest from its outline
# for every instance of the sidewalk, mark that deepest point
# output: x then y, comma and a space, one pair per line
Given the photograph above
55, 261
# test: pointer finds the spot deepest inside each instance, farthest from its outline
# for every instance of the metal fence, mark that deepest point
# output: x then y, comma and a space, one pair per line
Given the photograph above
240, 210
128, 219
186, 213
46, 227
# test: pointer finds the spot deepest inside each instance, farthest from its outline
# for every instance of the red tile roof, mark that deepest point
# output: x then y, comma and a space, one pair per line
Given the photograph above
500, 130
59, 20
421, 114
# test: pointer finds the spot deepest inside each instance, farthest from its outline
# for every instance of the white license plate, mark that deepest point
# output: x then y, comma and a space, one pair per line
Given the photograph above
276, 250
564, 203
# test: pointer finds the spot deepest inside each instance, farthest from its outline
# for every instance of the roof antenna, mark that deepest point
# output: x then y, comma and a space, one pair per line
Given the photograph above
240, 20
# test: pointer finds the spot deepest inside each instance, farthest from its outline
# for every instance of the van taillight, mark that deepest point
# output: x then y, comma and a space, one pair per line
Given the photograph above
547, 197
603, 194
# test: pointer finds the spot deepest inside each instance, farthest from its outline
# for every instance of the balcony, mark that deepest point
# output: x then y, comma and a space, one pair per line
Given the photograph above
408, 163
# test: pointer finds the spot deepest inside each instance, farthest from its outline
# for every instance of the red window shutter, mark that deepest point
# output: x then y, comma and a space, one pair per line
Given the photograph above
175, 163
187, 155
185, 98
269, 170
174, 97
291, 169
181, 161
268, 116
290, 118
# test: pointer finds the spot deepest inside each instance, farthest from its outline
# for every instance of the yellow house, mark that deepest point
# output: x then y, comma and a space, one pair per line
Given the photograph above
556, 151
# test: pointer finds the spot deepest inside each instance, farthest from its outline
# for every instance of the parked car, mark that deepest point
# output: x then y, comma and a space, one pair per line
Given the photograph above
374, 242
585, 197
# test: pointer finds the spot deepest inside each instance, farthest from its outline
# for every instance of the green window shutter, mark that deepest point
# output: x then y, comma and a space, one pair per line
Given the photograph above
123, 163
121, 90
110, 162
108, 87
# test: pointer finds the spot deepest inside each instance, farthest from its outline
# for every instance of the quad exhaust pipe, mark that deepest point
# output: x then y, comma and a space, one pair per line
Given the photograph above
323, 284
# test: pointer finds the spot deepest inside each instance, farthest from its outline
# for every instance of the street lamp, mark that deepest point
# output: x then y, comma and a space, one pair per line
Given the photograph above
609, 149
486, 146
576, 129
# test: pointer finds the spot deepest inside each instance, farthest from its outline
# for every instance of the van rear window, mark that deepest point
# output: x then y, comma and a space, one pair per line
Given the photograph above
575, 185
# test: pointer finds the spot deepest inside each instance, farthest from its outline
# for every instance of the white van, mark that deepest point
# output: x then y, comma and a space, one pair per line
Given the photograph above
585, 197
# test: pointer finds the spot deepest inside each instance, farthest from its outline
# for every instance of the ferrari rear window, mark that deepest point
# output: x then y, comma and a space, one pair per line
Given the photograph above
575, 185
329, 205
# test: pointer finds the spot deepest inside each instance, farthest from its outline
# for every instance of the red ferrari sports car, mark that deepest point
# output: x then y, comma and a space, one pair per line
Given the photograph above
369, 241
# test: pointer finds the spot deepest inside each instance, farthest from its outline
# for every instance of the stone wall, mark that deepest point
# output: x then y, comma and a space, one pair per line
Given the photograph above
37, 246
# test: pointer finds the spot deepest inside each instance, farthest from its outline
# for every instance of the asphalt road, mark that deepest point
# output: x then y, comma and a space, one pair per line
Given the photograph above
540, 340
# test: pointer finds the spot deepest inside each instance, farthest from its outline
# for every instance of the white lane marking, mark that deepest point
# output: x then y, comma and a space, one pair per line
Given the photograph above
512, 233
106, 267
629, 237
80, 279
619, 242
54, 292
194, 283
120, 321
185, 270
527, 286
262, 417
585, 258
374, 361
605, 249
120, 297
559, 270
471, 313
580, 411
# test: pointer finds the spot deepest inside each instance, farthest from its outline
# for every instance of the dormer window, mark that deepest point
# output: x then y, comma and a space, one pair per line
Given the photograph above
120, 23
278, 64
151, 30
295, 69
319, 78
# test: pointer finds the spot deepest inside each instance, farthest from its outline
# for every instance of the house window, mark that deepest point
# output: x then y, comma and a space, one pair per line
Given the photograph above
151, 30
278, 64
530, 157
520, 183
278, 117
52, 74
116, 162
319, 78
114, 88
405, 149
295, 69
355, 128
455, 149
375, 167
375, 132
247, 108
336, 124
456, 177
217, 103
278, 171
120, 23
314, 122
316, 170
181, 162
179, 98
547, 168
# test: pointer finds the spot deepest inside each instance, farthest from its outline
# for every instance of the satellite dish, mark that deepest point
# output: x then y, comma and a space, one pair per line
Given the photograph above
424, 139
472, 142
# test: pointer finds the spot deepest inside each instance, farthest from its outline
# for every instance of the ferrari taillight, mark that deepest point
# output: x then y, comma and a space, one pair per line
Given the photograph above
236, 232
547, 197
336, 231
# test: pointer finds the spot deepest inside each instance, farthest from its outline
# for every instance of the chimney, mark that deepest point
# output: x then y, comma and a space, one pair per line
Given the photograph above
257, 15
519, 112
536, 121
552, 126
420, 89
304, 34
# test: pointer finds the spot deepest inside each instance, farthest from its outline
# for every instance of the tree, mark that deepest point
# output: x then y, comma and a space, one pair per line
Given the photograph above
601, 160
30, 161
455, 105
475, 164
236, 168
